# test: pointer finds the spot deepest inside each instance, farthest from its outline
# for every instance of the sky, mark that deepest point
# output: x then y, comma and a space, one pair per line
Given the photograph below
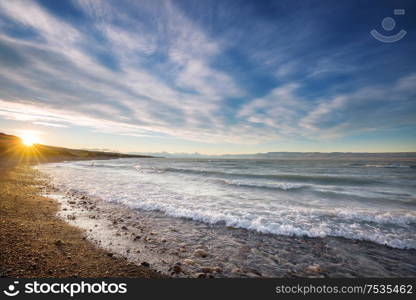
212, 77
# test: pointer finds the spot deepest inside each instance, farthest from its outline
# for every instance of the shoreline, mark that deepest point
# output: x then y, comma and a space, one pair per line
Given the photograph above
72, 235
182, 247
36, 243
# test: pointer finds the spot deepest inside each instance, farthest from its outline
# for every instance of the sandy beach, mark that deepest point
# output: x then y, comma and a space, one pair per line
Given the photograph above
35, 243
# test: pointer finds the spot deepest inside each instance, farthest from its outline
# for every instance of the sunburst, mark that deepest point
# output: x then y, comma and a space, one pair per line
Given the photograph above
29, 138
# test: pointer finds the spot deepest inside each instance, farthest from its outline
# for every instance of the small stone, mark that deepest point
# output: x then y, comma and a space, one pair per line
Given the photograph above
314, 268
109, 254
137, 237
124, 228
201, 275
217, 269
200, 253
145, 264
58, 243
206, 269
254, 273
188, 261
177, 269
71, 217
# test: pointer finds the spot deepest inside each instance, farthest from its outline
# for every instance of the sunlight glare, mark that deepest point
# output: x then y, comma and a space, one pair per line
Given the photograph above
28, 139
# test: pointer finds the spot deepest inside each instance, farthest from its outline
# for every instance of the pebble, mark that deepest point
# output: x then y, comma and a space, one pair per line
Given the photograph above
188, 261
58, 243
177, 269
314, 268
206, 270
200, 253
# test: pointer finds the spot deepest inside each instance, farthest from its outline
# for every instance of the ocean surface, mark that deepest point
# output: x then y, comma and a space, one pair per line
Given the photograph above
360, 200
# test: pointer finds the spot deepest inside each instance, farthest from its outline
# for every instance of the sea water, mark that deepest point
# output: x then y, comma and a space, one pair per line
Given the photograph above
359, 200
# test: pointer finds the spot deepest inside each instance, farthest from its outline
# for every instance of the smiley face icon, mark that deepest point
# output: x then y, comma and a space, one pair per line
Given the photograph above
389, 24
11, 290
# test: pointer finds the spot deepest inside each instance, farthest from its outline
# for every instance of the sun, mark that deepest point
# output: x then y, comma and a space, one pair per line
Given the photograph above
28, 139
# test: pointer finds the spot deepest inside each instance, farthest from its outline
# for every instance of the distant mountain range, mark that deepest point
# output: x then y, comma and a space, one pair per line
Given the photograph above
291, 155
13, 150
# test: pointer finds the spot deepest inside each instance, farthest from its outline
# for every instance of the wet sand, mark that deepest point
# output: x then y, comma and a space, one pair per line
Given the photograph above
36, 243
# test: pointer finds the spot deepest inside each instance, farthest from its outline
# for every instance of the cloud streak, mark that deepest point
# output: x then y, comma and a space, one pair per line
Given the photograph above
155, 70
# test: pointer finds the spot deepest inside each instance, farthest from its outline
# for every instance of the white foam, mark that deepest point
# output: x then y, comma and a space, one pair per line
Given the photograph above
203, 199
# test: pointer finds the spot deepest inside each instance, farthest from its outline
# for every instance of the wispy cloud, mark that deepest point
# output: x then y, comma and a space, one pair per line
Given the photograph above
50, 124
229, 75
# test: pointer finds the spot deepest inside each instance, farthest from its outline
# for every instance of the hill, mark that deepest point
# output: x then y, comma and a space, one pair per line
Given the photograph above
13, 151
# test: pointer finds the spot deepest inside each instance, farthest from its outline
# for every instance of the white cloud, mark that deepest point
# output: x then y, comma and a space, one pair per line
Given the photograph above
180, 93
57, 125
365, 109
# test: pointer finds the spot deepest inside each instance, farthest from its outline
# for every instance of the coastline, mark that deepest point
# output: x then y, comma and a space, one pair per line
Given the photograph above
36, 243
53, 233
183, 247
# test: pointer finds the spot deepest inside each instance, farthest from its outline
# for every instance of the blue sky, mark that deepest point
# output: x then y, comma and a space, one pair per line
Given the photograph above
209, 76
